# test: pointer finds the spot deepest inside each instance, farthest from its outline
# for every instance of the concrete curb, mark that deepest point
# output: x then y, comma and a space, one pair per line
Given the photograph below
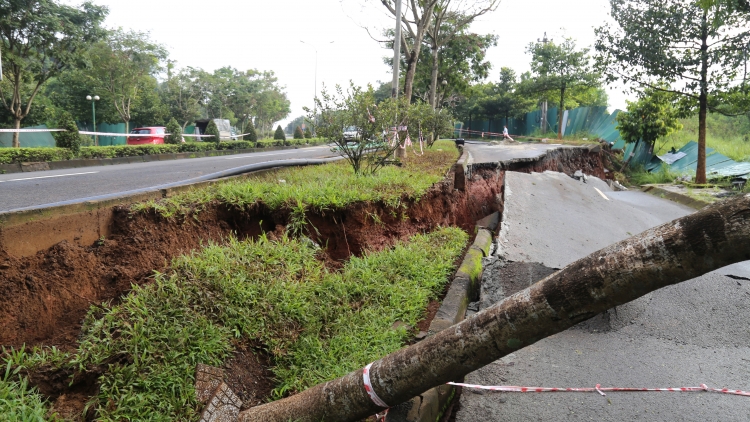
91, 162
431, 405
674, 196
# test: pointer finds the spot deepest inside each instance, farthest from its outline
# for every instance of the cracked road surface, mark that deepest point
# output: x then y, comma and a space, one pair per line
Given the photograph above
684, 335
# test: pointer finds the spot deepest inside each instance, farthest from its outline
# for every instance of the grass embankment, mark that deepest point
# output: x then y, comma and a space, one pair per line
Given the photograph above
330, 186
18, 402
316, 324
727, 135
42, 154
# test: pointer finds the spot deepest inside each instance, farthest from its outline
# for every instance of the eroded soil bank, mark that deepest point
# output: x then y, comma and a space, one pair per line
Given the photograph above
43, 298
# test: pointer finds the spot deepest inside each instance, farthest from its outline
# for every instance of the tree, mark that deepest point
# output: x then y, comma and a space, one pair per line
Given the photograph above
700, 52
560, 68
298, 133
250, 134
70, 138
40, 39
651, 117
356, 107
415, 20
308, 133
504, 99
213, 131
182, 95
450, 19
123, 66
175, 132
665, 255
279, 134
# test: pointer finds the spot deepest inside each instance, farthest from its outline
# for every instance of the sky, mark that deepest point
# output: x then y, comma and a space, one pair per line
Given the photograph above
308, 43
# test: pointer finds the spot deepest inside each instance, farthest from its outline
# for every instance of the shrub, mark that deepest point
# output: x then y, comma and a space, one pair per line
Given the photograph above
298, 133
175, 132
69, 139
28, 155
279, 134
308, 133
250, 130
214, 132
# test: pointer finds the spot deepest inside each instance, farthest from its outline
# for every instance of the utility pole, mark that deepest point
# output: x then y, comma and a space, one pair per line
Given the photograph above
396, 51
543, 125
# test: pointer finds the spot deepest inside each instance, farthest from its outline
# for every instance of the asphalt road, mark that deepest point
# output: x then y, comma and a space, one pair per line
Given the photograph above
684, 335
484, 152
20, 190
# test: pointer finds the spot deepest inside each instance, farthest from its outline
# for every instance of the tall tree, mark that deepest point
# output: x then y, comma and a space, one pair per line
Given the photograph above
123, 66
451, 18
561, 68
415, 20
40, 39
700, 51
651, 117
182, 95
504, 100
462, 63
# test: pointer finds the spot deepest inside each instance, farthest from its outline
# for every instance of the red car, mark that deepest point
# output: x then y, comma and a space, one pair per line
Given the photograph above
140, 140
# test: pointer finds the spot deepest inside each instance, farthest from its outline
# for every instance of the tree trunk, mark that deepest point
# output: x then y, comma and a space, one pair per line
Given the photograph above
17, 135
561, 113
700, 171
411, 69
688, 247
434, 78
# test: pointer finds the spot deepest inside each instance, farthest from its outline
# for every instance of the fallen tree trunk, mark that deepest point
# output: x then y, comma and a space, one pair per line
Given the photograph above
677, 251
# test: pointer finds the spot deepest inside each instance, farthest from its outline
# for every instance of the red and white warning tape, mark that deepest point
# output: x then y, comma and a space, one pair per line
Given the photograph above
599, 389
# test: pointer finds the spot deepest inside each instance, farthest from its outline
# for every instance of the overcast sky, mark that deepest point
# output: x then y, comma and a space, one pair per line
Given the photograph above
268, 35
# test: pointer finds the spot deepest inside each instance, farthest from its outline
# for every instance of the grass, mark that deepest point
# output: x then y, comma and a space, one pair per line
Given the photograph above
18, 401
330, 186
316, 324
728, 136
639, 176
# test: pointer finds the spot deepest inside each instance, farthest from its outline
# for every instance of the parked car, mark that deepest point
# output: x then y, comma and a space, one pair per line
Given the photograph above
142, 140
351, 133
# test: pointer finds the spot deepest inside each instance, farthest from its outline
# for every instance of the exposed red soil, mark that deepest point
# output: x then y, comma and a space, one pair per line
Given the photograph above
248, 376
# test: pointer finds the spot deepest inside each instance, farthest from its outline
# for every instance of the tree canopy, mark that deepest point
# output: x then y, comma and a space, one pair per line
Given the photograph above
40, 39
700, 52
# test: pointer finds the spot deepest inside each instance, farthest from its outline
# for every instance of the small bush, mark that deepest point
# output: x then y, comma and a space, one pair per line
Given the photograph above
308, 133
213, 131
69, 139
175, 132
298, 133
279, 134
250, 130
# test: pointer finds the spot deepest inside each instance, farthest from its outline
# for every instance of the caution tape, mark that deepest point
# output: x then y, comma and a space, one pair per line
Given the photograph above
368, 387
599, 389
30, 130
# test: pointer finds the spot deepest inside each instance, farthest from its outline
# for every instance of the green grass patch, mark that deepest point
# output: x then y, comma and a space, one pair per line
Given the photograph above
18, 401
639, 176
316, 324
330, 186
729, 136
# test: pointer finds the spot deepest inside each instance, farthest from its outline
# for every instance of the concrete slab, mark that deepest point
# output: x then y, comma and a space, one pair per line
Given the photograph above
481, 152
554, 219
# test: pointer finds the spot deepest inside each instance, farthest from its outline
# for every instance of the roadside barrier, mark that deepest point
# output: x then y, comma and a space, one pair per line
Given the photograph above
599, 389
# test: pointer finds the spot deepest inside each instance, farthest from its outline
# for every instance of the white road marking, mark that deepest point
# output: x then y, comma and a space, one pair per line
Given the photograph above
48, 177
251, 155
600, 193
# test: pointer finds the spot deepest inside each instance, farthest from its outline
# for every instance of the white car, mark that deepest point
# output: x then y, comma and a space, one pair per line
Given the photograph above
351, 133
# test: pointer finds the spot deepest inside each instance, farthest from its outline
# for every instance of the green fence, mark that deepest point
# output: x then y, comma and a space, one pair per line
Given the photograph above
28, 139
595, 121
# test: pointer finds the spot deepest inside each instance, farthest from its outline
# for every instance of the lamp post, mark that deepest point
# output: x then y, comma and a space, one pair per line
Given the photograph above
315, 93
93, 115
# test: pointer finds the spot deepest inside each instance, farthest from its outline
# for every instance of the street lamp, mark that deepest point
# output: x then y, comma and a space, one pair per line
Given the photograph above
93, 115
315, 93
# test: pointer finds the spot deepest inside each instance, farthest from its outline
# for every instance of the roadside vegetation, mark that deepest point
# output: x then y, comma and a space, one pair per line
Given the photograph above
324, 187
24, 155
315, 324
